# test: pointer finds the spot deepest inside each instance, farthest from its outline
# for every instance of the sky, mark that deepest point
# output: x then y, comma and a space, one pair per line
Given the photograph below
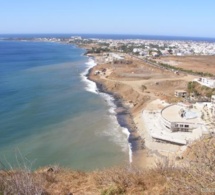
146, 17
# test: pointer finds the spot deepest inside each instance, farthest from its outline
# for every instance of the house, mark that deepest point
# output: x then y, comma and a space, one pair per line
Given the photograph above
208, 82
179, 118
180, 93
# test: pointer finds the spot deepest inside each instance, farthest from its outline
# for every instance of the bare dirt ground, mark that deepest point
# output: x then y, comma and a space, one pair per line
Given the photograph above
141, 78
204, 64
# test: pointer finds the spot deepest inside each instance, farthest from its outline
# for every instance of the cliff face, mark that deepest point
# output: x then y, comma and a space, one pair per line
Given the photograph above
195, 174
128, 102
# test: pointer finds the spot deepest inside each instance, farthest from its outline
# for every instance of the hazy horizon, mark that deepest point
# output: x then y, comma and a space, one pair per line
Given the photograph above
108, 34
183, 19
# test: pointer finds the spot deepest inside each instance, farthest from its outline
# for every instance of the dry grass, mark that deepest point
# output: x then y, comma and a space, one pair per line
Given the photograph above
165, 179
199, 175
22, 183
196, 63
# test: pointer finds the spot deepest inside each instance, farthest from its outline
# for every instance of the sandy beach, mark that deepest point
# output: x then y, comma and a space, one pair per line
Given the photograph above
139, 88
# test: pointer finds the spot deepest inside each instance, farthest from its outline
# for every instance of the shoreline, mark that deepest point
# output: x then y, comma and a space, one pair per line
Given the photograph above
120, 111
123, 115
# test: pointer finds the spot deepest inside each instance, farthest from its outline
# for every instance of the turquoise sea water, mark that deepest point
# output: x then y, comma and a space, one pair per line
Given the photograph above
51, 114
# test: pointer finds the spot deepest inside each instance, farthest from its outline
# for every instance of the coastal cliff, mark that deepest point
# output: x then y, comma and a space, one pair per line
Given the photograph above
124, 112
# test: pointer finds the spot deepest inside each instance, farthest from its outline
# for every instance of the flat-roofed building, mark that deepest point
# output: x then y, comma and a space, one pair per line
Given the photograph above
208, 82
180, 93
179, 118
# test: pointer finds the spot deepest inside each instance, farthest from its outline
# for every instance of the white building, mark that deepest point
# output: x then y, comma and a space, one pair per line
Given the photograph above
209, 82
114, 57
179, 118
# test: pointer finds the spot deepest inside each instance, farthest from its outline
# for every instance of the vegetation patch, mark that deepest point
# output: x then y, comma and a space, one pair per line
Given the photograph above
195, 88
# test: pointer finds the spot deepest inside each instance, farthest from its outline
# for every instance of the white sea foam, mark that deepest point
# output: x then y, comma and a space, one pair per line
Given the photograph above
113, 130
90, 85
126, 132
119, 135
121, 139
110, 101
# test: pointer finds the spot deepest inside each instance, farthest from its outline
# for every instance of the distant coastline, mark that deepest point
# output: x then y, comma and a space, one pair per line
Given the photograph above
110, 36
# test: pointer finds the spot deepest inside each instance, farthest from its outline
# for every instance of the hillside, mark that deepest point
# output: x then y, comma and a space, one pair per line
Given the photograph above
194, 174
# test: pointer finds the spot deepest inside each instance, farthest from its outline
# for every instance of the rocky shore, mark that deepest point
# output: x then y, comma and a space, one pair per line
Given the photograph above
123, 113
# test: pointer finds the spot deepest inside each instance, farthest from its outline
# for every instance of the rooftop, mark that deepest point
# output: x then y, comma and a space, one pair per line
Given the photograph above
180, 91
173, 114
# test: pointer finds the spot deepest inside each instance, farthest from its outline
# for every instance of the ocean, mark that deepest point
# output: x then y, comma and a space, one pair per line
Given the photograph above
50, 114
